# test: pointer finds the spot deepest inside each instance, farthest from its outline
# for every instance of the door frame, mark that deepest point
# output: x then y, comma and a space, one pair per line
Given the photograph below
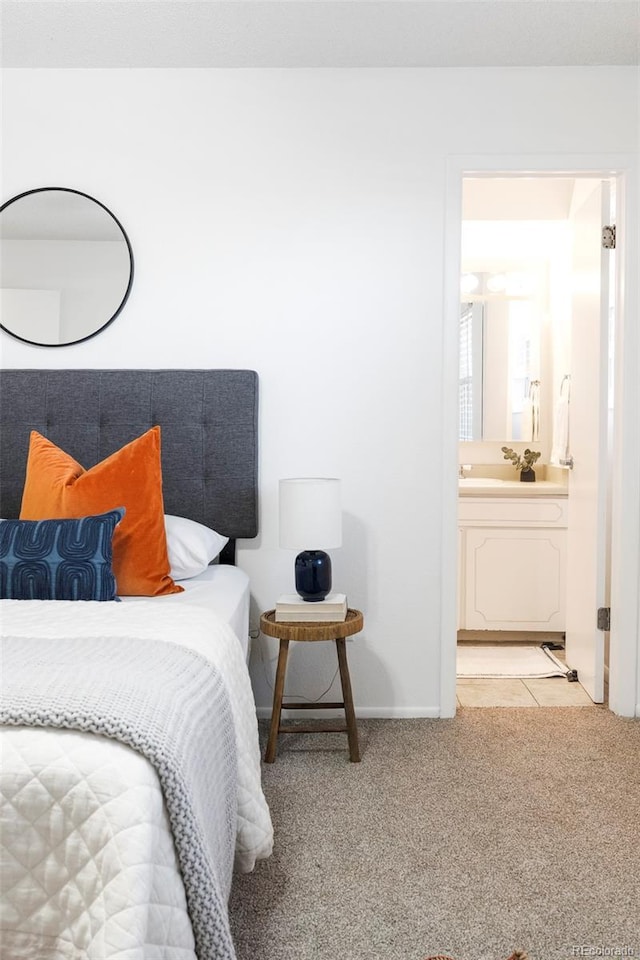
624, 655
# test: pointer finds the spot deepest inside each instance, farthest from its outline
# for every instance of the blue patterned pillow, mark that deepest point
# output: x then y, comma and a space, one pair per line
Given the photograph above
58, 559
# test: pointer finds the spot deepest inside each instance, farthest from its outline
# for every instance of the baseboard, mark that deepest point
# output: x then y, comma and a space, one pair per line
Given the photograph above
510, 636
362, 713
398, 713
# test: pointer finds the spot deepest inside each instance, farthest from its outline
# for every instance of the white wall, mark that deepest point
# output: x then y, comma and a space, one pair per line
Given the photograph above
293, 222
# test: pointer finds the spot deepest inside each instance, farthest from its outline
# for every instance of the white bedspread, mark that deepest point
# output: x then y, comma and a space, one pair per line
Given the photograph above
88, 864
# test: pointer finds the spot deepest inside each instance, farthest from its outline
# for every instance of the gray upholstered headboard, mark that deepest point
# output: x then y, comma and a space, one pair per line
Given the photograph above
209, 422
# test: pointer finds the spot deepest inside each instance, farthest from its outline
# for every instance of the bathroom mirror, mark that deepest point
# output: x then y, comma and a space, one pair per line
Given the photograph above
66, 266
515, 316
501, 353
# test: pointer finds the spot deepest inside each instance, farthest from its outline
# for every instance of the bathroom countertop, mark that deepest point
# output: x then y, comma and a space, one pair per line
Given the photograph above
481, 487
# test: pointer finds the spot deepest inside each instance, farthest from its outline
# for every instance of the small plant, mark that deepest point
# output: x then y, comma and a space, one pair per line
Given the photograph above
524, 461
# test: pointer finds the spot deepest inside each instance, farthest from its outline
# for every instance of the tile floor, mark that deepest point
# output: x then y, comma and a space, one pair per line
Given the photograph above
549, 692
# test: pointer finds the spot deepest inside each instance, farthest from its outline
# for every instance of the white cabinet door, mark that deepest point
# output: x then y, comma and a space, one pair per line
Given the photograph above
514, 579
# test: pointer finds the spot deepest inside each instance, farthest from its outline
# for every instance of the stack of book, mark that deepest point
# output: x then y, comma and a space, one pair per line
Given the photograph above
291, 607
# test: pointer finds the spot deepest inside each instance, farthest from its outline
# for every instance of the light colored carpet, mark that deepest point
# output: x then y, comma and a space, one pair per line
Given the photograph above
493, 661
473, 837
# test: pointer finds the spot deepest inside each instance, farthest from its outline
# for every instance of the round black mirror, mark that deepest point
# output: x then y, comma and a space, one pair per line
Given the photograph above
66, 266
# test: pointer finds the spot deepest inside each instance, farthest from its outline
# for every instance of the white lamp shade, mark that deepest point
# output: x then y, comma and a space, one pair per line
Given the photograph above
310, 513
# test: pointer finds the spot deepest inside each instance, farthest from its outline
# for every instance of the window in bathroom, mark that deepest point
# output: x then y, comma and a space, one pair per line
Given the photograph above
471, 370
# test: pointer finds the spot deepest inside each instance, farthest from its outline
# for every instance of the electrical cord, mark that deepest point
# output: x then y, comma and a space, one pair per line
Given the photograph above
297, 696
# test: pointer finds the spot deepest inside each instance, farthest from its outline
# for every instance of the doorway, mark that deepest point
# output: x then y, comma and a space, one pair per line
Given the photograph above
624, 541
521, 312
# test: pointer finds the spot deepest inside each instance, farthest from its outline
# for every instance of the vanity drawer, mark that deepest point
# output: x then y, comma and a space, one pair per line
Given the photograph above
539, 512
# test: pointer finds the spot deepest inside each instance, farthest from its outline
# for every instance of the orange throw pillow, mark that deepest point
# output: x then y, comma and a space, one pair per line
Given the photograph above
56, 486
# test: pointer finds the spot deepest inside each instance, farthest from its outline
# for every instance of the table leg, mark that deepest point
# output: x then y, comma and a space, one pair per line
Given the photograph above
278, 694
347, 696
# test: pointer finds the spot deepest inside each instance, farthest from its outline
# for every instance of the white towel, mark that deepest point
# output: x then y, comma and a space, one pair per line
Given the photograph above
560, 448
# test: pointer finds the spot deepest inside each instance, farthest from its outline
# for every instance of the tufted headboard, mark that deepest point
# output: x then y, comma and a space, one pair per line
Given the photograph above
209, 422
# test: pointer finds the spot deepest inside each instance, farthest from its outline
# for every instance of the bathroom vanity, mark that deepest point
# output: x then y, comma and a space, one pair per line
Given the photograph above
512, 555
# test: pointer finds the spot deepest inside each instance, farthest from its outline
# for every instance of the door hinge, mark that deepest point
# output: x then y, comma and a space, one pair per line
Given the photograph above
609, 237
604, 618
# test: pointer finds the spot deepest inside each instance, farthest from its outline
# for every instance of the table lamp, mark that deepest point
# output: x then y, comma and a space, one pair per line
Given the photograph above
311, 522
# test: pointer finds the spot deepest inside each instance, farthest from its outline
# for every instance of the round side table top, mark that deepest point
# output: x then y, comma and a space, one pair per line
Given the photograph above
311, 629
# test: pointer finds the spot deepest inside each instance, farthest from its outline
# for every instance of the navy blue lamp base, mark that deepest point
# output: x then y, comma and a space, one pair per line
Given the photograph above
313, 575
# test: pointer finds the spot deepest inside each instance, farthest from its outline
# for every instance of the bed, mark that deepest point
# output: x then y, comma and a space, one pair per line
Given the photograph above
130, 785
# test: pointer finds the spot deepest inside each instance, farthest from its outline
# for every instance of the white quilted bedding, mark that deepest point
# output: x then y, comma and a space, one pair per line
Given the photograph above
88, 868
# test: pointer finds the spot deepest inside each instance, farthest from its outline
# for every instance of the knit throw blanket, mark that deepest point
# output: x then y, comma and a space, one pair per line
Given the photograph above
168, 703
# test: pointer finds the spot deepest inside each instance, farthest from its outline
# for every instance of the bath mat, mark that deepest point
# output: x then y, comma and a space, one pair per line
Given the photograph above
503, 660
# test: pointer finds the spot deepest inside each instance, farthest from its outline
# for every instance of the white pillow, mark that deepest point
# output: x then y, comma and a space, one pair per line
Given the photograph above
191, 546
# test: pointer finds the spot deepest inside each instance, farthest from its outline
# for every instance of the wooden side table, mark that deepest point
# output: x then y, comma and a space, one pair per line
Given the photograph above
312, 631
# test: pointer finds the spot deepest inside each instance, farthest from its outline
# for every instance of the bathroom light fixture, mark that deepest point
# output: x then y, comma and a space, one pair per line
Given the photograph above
497, 283
520, 284
311, 522
469, 282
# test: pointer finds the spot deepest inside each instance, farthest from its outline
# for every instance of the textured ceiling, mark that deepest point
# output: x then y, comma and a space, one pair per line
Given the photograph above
319, 33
